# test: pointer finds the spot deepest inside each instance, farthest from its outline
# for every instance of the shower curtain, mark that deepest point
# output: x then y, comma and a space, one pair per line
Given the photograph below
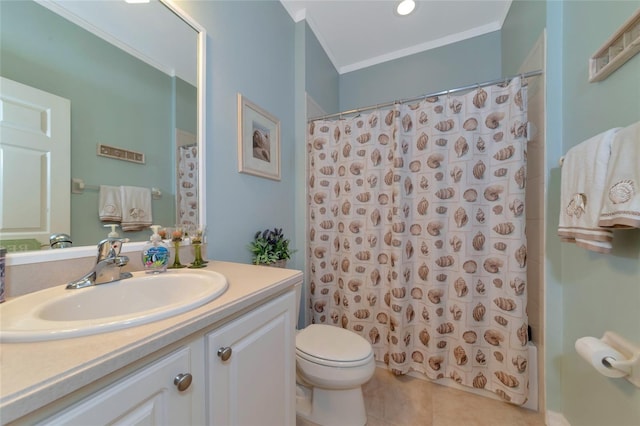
416, 235
187, 185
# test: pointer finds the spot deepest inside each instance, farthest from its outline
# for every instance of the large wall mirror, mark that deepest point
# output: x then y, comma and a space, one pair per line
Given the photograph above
134, 78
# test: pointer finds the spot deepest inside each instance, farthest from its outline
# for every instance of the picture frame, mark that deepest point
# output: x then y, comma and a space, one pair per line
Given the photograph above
258, 141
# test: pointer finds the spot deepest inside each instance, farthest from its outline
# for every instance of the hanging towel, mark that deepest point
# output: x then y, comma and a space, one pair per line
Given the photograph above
136, 208
110, 204
621, 201
581, 192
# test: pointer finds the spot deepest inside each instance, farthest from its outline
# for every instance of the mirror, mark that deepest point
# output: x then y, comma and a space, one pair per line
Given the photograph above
123, 93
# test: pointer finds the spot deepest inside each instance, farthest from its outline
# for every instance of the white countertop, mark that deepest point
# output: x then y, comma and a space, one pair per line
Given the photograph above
33, 375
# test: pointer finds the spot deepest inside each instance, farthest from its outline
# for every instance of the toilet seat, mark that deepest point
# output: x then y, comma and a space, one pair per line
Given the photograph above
332, 346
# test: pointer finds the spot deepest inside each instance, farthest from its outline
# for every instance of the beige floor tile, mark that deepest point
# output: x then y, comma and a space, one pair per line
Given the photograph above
374, 393
453, 407
398, 400
404, 400
375, 421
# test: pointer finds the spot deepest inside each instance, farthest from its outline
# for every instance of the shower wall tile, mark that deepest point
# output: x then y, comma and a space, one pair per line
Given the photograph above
535, 158
534, 301
535, 236
535, 198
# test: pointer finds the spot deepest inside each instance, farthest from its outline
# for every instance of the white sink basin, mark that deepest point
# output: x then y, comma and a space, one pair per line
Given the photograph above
58, 313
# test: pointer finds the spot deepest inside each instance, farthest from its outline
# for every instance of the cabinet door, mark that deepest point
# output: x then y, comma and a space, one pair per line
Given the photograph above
148, 397
256, 384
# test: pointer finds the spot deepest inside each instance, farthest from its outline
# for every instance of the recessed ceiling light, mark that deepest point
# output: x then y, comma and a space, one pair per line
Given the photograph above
405, 7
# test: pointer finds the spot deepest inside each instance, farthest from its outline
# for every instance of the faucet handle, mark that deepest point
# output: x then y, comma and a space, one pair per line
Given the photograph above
110, 247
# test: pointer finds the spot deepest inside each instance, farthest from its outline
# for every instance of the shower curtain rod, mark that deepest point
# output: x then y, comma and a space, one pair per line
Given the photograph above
443, 92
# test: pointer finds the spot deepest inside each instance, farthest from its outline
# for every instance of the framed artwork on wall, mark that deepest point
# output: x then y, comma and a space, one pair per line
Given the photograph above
258, 141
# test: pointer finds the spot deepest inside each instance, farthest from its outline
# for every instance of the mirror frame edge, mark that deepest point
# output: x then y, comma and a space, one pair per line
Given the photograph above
14, 259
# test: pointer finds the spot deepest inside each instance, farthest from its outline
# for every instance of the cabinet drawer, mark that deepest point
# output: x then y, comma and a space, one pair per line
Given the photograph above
148, 396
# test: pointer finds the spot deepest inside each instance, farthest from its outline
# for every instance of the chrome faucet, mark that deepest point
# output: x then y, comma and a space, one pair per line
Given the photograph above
108, 264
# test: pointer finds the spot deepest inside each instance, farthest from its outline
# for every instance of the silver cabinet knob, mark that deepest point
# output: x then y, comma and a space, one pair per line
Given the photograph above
183, 381
224, 353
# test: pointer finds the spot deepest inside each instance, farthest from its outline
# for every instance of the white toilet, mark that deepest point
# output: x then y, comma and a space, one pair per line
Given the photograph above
332, 365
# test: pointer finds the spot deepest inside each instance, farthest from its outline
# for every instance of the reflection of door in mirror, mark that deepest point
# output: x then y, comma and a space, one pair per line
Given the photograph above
34, 166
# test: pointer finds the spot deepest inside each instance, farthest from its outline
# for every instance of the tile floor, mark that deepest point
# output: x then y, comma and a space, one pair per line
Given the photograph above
403, 400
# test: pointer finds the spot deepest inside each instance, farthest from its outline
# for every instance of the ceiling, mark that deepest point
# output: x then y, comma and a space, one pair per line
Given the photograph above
356, 34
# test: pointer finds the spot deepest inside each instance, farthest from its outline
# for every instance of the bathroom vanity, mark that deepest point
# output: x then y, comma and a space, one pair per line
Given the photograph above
230, 361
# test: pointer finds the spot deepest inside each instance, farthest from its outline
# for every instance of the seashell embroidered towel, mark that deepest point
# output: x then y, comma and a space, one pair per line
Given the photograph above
136, 208
621, 201
109, 204
582, 188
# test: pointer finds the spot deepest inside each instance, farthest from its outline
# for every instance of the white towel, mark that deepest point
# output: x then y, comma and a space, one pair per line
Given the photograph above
621, 201
583, 177
110, 204
136, 208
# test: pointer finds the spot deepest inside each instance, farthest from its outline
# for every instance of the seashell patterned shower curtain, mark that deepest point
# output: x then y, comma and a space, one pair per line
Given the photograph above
187, 199
417, 239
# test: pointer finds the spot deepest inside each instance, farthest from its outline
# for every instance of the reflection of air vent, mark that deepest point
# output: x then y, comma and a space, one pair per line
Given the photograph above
120, 154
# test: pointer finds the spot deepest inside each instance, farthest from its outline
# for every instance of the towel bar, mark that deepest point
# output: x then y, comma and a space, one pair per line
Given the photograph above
78, 186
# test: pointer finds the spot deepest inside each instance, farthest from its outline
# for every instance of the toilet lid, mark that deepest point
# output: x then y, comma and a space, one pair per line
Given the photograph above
326, 342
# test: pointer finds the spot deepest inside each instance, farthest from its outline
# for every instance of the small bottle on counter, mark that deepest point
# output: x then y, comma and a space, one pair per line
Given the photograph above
155, 254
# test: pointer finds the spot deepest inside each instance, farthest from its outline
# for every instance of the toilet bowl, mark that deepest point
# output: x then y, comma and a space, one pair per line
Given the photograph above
332, 364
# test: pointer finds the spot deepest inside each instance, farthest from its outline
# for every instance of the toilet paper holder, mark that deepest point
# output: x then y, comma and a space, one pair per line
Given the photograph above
631, 364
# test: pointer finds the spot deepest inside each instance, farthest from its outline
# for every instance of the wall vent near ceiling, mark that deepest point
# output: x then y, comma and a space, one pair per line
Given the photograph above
120, 154
620, 47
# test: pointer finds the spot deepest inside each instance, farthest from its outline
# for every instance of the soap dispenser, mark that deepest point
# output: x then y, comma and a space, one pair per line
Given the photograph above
113, 233
155, 254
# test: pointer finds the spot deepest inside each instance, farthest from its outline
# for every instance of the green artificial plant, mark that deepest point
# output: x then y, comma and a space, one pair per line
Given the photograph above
269, 247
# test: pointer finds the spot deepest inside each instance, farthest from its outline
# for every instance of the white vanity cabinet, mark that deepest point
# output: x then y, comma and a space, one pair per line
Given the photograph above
242, 373
250, 367
127, 376
151, 396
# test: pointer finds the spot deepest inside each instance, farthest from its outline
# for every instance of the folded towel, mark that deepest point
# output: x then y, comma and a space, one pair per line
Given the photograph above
136, 208
621, 201
581, 193
110, 204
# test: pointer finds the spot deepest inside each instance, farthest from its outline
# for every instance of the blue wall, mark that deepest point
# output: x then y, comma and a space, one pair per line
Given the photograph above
601, 292
586, 293
459, 64
251, 50
522, 27
321, 78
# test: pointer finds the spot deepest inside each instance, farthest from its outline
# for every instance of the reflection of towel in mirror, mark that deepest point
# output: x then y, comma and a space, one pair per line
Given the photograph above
110, 205
136, 208
621, 200
581, 192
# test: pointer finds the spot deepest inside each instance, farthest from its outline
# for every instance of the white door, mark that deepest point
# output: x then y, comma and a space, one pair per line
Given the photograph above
35, 162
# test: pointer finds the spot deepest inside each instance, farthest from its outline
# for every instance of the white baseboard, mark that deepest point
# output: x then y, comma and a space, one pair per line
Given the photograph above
556, 419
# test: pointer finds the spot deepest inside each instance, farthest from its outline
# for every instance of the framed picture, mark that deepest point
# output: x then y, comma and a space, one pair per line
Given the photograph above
258, 141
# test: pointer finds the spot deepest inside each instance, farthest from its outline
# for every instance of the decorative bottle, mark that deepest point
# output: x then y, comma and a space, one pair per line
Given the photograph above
155, 254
